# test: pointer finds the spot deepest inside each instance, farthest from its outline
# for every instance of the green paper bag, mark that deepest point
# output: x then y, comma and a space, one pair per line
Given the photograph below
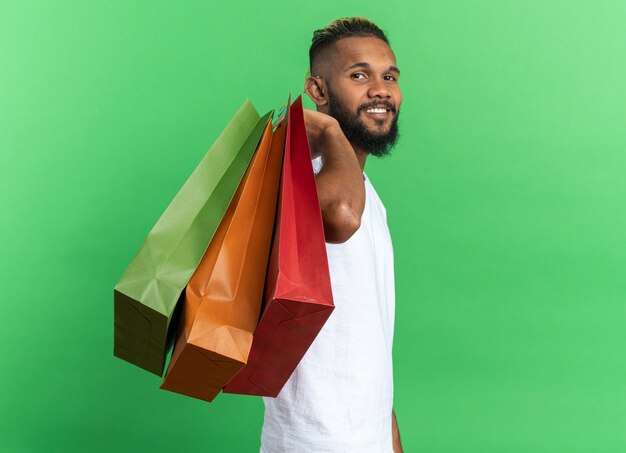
146, 296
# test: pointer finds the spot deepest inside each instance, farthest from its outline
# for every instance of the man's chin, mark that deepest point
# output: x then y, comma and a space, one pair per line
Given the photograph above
378, 130
377, 125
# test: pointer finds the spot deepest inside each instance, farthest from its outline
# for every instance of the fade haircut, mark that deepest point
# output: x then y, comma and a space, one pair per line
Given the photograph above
342, 28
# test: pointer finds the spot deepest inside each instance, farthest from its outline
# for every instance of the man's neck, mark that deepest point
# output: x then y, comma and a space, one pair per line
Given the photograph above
361, 156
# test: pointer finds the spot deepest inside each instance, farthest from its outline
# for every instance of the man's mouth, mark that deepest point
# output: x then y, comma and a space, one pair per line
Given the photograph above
379, 110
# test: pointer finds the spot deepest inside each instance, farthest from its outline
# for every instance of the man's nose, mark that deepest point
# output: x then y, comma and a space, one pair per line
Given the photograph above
378, 88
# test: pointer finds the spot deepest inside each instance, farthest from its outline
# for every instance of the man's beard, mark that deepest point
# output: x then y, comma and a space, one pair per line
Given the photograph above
358, 134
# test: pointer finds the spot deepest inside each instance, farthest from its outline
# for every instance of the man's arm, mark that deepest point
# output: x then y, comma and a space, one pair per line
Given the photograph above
395, 432
340, 186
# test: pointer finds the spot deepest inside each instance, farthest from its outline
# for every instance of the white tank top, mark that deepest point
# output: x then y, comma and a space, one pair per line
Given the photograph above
340, 397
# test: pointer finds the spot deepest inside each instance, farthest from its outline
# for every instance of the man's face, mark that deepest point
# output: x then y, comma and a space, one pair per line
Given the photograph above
363, 93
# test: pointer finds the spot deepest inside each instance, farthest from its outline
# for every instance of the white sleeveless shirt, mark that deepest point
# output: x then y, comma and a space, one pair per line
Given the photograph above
340, 397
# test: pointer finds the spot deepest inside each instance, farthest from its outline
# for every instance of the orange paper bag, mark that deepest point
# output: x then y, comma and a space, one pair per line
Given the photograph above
224, 296
298, 291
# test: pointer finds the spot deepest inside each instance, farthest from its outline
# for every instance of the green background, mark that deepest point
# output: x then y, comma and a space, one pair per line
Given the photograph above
506, 201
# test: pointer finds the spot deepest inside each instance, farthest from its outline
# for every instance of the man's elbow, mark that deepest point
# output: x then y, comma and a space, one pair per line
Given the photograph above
341, 221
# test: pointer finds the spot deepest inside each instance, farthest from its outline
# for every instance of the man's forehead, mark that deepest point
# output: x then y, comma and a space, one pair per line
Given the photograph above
347, 52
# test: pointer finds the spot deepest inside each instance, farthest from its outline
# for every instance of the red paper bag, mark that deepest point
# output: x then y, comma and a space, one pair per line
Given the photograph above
298, 296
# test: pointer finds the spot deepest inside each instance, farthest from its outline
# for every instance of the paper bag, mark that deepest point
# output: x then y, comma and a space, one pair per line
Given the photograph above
298, 297
147, 294
223, 298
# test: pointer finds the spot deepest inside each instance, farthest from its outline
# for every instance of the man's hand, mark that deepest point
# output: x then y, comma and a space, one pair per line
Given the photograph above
340, 186
318, 126
395, 433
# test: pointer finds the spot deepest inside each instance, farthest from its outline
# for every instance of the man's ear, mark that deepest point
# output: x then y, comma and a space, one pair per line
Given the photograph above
314, 87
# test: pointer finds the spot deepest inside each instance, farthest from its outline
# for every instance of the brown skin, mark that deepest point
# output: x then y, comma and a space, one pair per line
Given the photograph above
340, 186
340, 182
395, 433
359, 70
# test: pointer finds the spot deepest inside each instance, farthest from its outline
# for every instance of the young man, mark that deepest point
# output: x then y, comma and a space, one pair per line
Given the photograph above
339, 399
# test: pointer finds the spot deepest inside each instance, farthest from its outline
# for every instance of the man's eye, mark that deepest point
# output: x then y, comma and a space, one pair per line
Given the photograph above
390, 78
358, 76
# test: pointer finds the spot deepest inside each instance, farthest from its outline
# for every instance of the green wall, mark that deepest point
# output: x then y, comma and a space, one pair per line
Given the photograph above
506, 199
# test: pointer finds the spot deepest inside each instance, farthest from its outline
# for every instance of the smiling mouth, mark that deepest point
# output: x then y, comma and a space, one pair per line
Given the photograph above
377, 110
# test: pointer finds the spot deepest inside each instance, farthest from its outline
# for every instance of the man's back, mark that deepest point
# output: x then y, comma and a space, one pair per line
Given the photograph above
340, 397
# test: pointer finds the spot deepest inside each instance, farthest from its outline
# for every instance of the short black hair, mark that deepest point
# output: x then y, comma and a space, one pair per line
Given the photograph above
344, 27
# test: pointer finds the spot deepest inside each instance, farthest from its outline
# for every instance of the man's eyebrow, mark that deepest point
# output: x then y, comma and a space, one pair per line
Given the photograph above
363, 64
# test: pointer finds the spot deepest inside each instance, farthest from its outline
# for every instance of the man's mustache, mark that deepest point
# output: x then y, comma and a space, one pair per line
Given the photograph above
385, 104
